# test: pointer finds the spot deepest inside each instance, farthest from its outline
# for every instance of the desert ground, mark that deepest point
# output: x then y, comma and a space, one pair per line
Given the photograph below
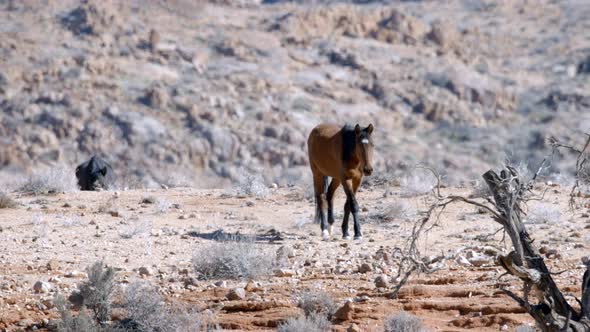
153, 235
203, 109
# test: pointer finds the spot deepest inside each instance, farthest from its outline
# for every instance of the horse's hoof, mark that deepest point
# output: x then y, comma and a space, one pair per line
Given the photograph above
358, 238
330, 230
346, 237
325, 235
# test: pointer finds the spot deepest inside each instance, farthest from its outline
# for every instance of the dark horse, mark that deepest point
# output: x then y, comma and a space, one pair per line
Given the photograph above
344, 154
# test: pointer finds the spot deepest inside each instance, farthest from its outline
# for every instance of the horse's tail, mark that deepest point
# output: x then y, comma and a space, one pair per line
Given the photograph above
326, 184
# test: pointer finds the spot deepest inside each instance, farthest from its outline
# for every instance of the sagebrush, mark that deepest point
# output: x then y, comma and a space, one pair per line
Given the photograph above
233, 260
56, 179
317, 303
417, 182
6, 202
403, 322
314, 323
147, 311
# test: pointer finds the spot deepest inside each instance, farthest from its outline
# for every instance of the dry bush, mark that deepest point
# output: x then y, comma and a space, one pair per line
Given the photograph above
233, 260
49, 181
6, 202
97, 290
137, 227
316, 302
147, 311
403, 322
417, 182
313, 323
398, 210
69, 323
250, 184
543, 213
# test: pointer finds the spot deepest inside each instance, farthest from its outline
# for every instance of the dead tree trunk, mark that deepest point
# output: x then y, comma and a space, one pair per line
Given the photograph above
552, 312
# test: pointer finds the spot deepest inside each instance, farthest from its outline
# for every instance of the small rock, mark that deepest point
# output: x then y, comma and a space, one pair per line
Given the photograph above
114, 213
286, 251
461, 260
221, 283
76, 299
236, 294
75, 274
382, 281
345, 312
145, 271
284, 273
353, 328
480, 260
42, 287
365, 267
53, 265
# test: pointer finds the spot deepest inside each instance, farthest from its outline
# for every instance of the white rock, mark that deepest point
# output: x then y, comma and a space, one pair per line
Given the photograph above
41, 287
144, 271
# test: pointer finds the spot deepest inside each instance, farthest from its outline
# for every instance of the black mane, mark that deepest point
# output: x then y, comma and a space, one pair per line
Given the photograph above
348, 142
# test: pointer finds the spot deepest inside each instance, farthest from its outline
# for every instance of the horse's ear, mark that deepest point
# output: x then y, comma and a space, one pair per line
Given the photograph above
357, 129
370, 129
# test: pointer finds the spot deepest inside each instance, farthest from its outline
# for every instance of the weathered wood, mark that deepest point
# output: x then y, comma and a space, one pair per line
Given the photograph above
552, 312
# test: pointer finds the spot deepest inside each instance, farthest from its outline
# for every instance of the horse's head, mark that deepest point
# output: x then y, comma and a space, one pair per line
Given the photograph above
364, 143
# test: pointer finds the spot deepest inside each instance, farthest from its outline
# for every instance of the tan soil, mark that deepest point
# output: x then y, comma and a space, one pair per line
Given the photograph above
78, 229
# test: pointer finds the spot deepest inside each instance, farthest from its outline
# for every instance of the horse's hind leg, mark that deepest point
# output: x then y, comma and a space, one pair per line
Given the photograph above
330, 198
320, 199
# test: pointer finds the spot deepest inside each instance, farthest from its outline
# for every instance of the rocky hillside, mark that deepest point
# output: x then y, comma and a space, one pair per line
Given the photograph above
183, 92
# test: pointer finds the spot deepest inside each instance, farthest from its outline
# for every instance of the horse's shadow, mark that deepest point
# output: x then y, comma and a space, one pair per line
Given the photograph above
271, 236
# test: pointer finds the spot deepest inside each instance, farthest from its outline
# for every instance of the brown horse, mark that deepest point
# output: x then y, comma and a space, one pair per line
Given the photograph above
344, 154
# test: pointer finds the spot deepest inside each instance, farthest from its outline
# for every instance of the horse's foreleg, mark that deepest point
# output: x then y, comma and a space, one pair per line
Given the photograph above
350, 187
345, 220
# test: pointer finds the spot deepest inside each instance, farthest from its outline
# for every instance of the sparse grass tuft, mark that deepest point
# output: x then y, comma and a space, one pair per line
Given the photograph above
543, 213
398, 210
147, 311
403, 322
50, 181
69, 323
250, 184
136, 227
317, 303
97, 291
233, 260
314, 323
6, 202
417, 182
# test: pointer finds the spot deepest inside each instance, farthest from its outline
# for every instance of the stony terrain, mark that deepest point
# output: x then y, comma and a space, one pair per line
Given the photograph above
181, 92
153, 235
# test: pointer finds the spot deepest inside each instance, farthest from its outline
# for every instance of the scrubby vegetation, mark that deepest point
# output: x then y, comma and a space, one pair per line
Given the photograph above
6, 202
50, 181
317, 303
403, 322
314, 323
233, 260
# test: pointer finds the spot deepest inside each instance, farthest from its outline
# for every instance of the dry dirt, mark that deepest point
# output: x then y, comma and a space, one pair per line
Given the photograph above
74, 230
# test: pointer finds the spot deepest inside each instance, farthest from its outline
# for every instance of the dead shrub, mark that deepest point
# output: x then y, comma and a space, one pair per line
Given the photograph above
313, 323
233, 260
403, 322
6, 202
317, 303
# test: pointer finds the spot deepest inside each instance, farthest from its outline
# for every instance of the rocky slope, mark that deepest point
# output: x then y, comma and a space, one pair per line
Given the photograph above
182, 92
